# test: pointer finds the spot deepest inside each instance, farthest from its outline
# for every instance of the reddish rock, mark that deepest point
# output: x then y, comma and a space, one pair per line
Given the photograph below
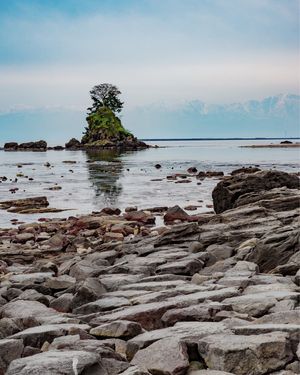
140, 216
110, 211
192, 170
110, 236
176, 213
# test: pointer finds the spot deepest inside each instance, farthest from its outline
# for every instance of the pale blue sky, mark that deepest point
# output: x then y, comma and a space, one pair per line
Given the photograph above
171, 51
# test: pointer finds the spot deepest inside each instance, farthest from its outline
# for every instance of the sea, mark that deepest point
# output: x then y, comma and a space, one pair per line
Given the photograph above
90, 180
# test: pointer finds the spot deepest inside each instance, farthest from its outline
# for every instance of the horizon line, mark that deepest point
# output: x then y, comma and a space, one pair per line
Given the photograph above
218, 139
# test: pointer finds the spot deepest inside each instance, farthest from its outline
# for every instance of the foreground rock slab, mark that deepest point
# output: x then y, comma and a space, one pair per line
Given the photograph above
165, 357
246, 355
227, 192
109, 294
58, 363
10, 349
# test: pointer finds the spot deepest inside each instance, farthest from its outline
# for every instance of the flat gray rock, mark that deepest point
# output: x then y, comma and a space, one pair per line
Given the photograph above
134, 370
117, 329
257, 329
10, 349
245, 355
27, 309
30, 278
58, 363
103, 304
165, 357
36, 336
283, 317
188, 332
258, 304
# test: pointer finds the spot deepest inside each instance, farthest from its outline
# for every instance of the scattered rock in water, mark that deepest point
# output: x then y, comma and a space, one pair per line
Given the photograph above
36, 205
183, 182
55, 188
286, 142
110, 211
191, 208
157, 166
69, 162
26, 203
13, 190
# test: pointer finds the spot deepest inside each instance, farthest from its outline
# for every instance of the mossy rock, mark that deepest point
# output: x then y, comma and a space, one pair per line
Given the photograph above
104, 128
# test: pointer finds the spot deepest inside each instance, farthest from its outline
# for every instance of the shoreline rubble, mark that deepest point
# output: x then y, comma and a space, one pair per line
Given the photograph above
215, 293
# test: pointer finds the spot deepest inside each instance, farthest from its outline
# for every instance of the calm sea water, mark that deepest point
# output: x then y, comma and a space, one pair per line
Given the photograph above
100, 179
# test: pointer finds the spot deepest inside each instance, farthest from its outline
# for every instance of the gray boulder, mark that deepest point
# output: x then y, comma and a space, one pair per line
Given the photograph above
275, 248
246, 355
117, 329
58, 363
90, 290
165, 357
227, 192
10, 349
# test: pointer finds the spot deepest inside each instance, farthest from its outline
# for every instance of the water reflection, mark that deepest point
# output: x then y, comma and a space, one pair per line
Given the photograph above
105, 168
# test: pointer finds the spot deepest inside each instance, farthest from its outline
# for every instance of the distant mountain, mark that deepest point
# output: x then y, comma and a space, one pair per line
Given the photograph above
276, 116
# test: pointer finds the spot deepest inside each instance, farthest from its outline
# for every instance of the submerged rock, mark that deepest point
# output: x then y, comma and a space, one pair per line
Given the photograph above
26, 203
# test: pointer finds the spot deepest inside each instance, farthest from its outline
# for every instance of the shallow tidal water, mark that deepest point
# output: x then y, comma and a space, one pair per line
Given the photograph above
101, 179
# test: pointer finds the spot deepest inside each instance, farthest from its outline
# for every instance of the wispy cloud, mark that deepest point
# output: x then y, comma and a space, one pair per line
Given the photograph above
52, 52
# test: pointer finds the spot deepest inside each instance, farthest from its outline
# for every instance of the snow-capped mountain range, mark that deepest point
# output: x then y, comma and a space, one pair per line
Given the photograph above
277, 116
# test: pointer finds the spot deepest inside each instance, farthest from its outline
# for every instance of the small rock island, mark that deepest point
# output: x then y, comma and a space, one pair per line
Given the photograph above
105, 129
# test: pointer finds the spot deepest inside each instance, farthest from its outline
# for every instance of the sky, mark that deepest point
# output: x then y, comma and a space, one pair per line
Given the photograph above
169, 52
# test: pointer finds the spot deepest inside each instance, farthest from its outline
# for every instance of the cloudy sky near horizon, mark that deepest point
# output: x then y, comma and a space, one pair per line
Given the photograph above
219, 51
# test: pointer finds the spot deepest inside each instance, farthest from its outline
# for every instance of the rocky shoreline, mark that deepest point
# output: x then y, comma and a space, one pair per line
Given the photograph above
111, 293
127, 144
283, 144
